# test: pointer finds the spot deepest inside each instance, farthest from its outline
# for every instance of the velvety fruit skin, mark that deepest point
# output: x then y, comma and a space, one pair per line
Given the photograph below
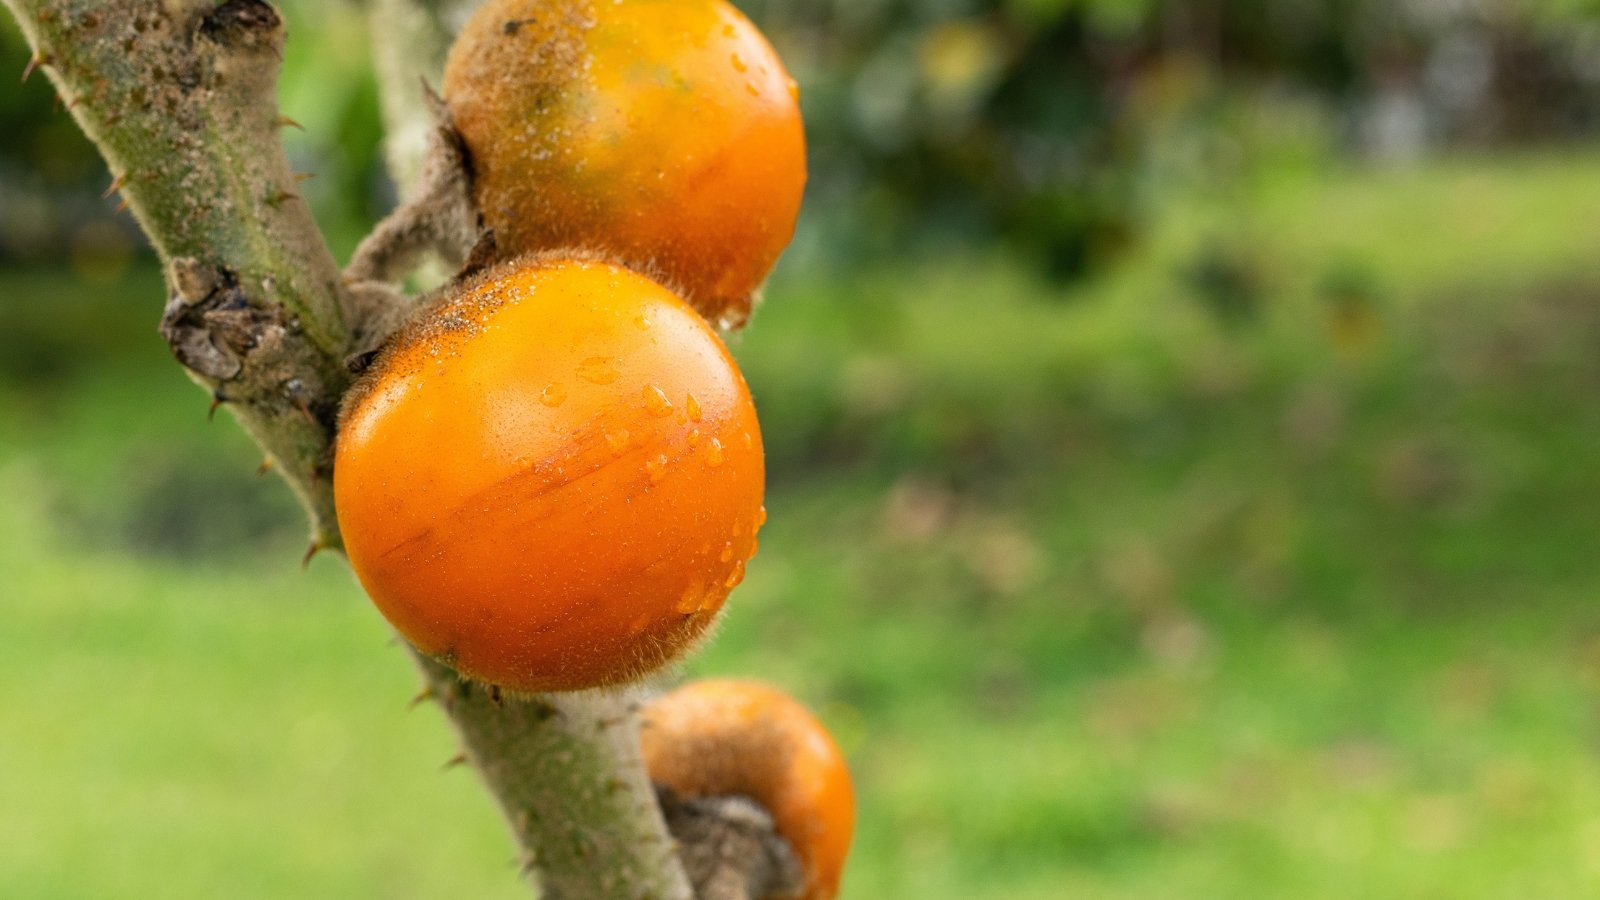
722, 737
553, 480
663, 132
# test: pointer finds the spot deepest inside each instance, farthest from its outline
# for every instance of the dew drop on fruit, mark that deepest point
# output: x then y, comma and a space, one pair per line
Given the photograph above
643, 322
734, 577
738, 64
655, 400
640, 624
794, 90
553, 395
748, 441
727, 552
694, 436
617, 440
761, 516
714, 453
690, 601
656, 468
693, 407
597, 370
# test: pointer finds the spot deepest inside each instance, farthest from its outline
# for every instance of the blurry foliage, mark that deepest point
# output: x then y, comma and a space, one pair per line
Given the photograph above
1056, 127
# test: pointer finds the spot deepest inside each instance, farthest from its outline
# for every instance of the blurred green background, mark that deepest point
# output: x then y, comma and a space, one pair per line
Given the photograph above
1182, 424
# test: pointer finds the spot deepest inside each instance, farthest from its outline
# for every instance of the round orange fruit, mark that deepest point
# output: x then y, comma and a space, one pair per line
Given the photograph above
552, 479
665, 133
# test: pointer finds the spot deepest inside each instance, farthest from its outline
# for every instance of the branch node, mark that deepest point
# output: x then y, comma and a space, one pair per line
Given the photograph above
730, 848
243, 23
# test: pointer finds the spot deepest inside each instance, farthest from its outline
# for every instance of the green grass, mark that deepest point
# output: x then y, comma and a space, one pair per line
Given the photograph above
1277, 582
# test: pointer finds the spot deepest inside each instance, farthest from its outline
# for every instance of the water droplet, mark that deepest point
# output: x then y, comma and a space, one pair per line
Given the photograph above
643, 322
794, 90
714, 453
752, 87
617, 440
694, 436
693, 406
691, 600
761, 516
554, 394
711, 601
738, 64
655, 400
734, 577
597, 370
727, 31
656, 468
727, 552
748, 441
640, 624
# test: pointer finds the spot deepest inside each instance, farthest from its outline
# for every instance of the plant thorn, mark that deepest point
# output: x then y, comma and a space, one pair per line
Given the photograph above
286, 122
34, 62
216, 400
315, 548
423, 696
303, 176
459, 759
264, 468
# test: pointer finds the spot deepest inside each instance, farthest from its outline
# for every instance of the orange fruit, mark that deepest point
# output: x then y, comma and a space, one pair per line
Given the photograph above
723, 737
552, 479
664, 133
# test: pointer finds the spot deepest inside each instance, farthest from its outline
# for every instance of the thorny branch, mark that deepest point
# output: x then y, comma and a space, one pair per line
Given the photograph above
180, 97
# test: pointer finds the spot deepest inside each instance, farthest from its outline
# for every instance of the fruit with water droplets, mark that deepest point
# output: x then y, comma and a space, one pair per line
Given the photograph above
517, 486
725, 737
665, 133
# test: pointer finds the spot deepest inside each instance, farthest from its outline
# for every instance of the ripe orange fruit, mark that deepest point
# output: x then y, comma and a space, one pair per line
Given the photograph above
553, 479
721, 737
664, 132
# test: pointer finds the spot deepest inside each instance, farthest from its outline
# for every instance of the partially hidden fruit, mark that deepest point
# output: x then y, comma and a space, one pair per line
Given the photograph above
553, 479
724, 737
664, 132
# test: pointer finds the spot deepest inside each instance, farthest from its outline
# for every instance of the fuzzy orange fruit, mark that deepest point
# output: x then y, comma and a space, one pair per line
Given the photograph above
722, 737
664, 132
553, 479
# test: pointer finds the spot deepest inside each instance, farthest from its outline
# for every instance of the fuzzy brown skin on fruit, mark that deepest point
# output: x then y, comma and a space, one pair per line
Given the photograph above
719, 738
664, 132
